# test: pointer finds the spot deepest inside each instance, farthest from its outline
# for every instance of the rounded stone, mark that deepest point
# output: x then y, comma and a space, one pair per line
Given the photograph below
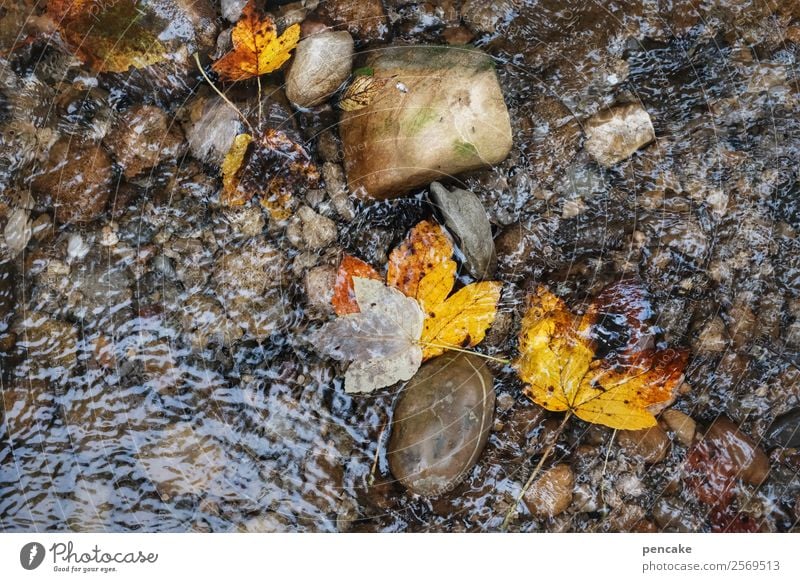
441, 423
735, 452
321, 64
551, 494
142, 138
649, 445
681, 424
76, 181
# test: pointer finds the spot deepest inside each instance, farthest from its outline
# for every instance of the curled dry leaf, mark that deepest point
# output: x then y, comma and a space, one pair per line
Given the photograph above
230, 168
257, 48
557, 362
381, 341
344, 296
272, 168
109, 36
361, 92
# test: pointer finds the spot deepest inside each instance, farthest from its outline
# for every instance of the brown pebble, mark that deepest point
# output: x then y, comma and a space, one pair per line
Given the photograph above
745, 456
551, 494
681, 424
457, 35
76, 181
649, 445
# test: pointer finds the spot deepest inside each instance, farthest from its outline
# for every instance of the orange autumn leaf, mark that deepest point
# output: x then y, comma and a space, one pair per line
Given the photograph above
425, 248
344, 297
257, 48
557, 363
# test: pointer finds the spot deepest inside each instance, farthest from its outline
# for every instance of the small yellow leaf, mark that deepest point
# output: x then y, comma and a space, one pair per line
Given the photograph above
462, 320
257, 49
231, 196
426, 247
361, 92
557, 363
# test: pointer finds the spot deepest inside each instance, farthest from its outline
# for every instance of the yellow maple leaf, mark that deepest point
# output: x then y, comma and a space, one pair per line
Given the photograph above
557, 362
422, 267
257, 49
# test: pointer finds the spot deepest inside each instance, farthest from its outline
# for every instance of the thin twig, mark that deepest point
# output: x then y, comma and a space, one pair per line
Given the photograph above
605, 466
374, 468
545, 455
463, 351
221, 94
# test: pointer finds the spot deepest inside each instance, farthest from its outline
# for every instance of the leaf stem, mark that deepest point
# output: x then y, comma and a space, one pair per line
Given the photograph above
545, 455
221, 94
463, 351
258, 79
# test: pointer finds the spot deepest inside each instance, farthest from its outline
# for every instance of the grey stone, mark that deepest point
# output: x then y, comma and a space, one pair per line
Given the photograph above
614, 135
466, 218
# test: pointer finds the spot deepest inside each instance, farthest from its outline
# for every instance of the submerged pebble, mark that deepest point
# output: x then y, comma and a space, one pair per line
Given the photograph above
551, 494
441, 424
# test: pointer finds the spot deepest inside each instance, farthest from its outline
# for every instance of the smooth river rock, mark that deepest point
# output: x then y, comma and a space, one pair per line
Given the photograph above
322, 62
76, 181
614, 135
551, 494
441, 424
439, 112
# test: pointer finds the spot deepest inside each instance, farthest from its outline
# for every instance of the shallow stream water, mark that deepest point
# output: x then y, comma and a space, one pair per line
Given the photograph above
141, 392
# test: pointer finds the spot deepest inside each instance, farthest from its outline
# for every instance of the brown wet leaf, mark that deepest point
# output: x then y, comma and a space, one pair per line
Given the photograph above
270, 166
257, 48
110, 36
361, 92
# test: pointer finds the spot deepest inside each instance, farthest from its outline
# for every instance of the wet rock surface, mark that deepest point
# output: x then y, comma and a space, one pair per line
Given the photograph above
143, 137
441, 112
441, 424
550, 494
321, 64
75, 181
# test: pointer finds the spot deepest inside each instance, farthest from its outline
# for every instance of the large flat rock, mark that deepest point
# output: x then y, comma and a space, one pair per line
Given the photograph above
440, 111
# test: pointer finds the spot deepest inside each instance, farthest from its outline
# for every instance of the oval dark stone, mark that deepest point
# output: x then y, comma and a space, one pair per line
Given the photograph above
785, 430
441, 423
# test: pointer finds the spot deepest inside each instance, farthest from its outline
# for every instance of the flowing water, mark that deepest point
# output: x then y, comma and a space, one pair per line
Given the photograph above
150, 384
